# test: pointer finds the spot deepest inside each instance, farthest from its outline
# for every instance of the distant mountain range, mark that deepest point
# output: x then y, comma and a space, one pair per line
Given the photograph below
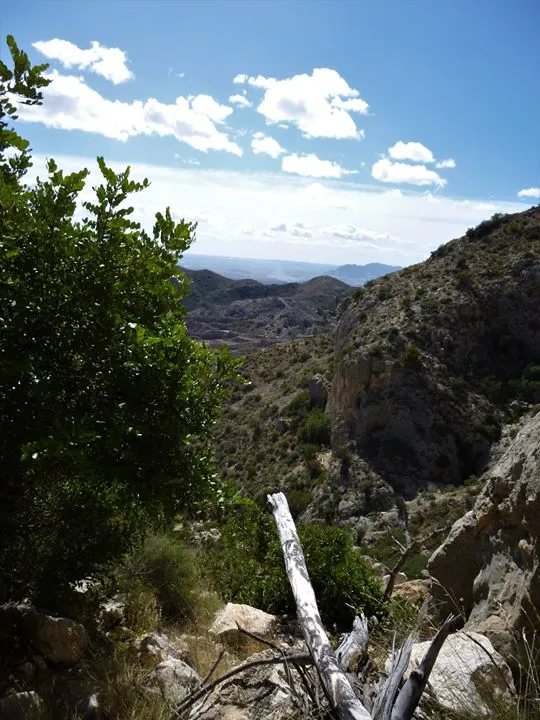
284, 271
247, 314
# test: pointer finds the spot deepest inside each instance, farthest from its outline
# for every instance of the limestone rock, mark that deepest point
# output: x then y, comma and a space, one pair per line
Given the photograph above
399, 580
412, 350
154, 648
233, 615
489, 564
174, 679
58, 640
466, 667
22, 706
318, 391
414, 591
113, 613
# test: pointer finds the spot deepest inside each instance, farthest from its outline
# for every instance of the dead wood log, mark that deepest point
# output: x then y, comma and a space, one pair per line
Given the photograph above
394, 702
353, 645
342, 698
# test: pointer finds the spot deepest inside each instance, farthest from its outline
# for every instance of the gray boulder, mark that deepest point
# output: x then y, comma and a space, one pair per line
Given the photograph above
466, 667
58, 640
154, 648
173, 679
318, 390
489, 565
234, 616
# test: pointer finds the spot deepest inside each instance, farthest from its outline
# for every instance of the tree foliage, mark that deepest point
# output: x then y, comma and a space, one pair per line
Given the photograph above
106, 404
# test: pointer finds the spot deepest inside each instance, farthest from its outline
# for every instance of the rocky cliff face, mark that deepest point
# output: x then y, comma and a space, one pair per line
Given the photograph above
427, 358
489, 566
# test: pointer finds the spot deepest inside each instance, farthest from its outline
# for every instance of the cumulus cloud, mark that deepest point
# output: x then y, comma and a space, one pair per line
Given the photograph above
240, 101
70, 104
312, 166
413, 151
532, 192
319, 105
358, 234
387, 171
445, 164
110, 63
296, 230
262, 144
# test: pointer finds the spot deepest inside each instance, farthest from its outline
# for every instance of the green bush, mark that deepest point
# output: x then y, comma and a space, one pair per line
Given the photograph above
299, 404
248, 567
411, 357
316, 428
166, 567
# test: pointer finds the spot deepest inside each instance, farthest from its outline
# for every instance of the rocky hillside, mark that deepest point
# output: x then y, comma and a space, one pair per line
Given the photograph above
428, 360
420, 389
247, 314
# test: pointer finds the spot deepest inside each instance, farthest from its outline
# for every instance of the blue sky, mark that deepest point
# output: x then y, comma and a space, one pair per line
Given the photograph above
336, 131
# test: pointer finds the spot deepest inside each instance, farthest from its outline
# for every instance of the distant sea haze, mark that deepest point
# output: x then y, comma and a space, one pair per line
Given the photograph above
284, 271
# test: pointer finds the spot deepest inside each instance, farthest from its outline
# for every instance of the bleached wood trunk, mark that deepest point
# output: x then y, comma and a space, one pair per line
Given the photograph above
392, 702
353, 645
336, 684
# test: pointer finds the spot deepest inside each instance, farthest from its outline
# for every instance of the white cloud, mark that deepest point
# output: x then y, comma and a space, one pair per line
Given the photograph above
532, 192
239, 100
186, 161
297, 230
110, 63
70, 104
320, 104
414, 151
312, 166
399, 228
441, 164
358, 234
395, 172
264, 145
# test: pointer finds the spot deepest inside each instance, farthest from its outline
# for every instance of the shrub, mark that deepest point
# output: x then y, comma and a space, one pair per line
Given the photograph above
298, 404
411, 356
298, 501
167, 568
316, 428
248, 567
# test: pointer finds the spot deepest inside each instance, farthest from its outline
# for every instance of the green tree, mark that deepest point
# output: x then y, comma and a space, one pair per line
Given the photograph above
106, 403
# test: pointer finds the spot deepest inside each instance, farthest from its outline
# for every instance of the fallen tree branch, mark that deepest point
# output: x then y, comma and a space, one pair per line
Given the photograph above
336, 684
297, 658
353, 645
384, 702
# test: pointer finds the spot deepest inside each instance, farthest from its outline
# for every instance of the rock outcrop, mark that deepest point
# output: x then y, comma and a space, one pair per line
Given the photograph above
421, 354
57, 640
489, 566
229, 620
